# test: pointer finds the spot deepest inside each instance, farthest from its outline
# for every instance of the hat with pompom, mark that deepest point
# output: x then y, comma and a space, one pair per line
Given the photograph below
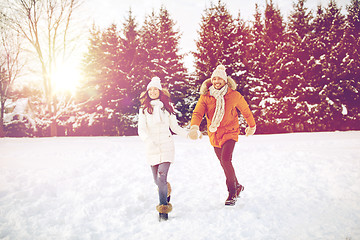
155, 82
219, 72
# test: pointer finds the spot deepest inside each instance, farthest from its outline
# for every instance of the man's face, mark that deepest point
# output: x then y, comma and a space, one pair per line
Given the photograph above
218, 82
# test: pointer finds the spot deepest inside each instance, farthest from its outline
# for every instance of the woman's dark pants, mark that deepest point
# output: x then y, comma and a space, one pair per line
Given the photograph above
160, 172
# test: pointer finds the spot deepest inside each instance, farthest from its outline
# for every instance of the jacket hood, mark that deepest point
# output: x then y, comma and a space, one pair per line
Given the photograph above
204, 89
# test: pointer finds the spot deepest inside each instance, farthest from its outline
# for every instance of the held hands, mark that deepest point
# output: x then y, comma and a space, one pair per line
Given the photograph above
194, 132
250, 131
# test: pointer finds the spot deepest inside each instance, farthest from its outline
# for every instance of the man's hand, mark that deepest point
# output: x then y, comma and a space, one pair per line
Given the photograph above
250, 131
194, 132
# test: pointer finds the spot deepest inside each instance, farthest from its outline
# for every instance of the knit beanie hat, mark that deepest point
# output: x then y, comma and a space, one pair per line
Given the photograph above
155, 82
219, 72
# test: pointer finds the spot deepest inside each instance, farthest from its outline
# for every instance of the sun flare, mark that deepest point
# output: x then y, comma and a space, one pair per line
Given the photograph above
66, 78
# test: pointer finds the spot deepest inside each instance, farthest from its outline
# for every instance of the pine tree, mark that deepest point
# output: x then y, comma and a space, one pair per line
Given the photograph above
222, 40
176, 78
267, 76
114, 86
350, 75
129, 61
105, 80
241, 56
257, 54
300, 19
275, 75
159, 56
256, 66
88, 95
274, 38
148, 53
130, 41
292, 97
325, 68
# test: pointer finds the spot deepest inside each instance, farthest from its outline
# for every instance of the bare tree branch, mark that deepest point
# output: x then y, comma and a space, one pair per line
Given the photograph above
45, 24
10, 67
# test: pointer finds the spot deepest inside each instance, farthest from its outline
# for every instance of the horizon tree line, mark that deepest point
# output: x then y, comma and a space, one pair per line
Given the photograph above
298, 74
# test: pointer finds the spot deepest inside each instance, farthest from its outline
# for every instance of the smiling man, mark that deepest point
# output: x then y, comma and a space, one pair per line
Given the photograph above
219, 102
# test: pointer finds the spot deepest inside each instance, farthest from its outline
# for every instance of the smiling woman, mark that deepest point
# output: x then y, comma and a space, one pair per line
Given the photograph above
66, 78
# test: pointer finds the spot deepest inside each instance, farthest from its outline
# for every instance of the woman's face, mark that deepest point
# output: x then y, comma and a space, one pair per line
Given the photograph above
218, 82
154, 92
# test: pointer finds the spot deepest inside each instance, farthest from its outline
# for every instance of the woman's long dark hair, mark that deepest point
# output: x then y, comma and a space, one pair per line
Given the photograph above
164, 97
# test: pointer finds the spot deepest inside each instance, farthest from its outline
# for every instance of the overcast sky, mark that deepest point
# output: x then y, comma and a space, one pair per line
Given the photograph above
186, 13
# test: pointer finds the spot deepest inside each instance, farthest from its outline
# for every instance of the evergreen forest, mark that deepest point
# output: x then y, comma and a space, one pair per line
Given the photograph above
298, 74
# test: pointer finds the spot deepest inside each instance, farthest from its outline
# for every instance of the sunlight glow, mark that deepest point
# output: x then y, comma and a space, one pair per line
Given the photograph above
66, 78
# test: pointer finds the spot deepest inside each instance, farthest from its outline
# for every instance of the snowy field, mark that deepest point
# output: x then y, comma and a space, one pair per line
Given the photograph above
297, 186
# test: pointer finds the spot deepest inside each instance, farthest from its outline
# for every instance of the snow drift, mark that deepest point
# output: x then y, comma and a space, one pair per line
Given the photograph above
297, 186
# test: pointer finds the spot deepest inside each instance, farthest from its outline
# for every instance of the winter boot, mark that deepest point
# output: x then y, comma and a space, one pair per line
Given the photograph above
231, 200
239, 189
163, 211
163, 217
232, 189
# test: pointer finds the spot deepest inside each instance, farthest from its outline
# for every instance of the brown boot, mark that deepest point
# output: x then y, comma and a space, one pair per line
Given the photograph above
163, 211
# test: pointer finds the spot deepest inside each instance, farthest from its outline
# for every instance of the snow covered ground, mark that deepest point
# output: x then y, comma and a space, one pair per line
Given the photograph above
297, 186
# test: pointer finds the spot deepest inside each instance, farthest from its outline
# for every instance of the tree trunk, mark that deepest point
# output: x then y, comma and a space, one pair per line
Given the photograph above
53, 129
2, 109
2, 134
